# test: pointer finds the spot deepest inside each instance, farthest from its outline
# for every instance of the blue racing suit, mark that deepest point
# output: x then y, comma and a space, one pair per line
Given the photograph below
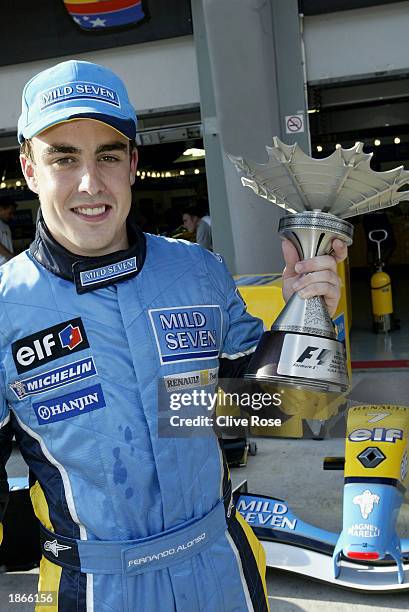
130, 521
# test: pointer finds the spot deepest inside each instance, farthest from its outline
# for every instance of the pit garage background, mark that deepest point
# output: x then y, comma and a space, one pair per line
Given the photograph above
356, 90
352, 58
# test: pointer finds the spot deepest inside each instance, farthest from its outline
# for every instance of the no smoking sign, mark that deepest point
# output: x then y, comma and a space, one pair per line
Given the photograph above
294, 124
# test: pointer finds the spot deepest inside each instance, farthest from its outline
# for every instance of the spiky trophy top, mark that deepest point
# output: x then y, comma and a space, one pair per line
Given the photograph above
342, 184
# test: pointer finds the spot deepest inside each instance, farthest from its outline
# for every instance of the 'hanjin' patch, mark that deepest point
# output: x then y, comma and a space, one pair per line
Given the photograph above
187, 333
70, 405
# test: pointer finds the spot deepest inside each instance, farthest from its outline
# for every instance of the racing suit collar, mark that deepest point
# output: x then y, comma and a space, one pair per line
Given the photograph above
89, 273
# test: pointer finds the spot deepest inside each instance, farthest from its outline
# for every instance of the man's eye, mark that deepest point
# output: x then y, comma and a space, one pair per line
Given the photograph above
109, 158
64, 161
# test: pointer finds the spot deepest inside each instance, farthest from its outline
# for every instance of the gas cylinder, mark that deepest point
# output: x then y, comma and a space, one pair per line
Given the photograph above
381, 290
382, 305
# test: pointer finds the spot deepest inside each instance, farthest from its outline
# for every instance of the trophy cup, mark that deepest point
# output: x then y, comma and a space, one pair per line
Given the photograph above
302, 349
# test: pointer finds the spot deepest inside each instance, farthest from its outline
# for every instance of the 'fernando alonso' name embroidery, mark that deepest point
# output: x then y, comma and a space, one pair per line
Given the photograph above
109, 272
70, 405
167, 552
186, 333
52, 379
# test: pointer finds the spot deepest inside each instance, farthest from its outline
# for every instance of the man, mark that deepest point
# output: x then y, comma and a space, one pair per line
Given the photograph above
194, 222
7, 210
93, 318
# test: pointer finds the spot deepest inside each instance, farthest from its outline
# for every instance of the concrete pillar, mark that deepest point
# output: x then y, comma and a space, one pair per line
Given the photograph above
249, 59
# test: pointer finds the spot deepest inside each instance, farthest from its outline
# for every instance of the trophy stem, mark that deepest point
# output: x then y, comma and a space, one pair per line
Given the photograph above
305, 316
302, 348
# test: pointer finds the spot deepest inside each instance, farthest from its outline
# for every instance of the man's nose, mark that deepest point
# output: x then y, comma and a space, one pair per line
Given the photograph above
91, 180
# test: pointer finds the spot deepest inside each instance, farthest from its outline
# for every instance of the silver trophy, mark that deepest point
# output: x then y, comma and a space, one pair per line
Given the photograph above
302, 348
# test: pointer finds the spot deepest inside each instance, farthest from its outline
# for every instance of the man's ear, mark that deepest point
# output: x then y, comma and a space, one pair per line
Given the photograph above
29, 171
134, 165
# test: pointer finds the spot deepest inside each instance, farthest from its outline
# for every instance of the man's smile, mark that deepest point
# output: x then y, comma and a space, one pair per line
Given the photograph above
97, 212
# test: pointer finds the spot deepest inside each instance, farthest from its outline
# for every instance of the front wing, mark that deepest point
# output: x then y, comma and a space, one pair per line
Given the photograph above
295, 546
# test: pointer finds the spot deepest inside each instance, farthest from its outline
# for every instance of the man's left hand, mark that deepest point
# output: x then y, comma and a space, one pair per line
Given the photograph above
315, 276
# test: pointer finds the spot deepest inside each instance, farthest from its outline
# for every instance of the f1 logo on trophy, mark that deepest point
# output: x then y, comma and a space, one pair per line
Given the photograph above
301, 349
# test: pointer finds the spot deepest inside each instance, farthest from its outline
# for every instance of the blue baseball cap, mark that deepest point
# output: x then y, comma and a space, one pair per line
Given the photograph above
75, 90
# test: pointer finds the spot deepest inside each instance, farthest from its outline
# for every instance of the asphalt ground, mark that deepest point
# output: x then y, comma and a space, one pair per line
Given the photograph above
287, 593
290, 470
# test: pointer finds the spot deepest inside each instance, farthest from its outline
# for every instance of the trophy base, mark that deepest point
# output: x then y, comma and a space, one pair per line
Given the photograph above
297, 383
300, 361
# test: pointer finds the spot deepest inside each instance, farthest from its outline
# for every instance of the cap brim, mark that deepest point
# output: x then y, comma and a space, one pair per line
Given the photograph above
127, 127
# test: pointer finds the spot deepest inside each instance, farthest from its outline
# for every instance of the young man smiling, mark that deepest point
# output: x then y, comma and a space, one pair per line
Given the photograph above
129, 521
82, 172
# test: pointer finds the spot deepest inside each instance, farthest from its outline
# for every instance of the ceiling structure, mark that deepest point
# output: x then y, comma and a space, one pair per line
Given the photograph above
375, 112
317, 7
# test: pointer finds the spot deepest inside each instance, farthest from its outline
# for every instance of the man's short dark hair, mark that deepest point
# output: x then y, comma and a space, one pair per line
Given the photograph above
26, 149
192, 210
7, 202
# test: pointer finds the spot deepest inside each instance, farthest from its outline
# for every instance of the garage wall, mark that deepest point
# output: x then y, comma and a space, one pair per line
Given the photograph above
160, 74
163, 73
349, 44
